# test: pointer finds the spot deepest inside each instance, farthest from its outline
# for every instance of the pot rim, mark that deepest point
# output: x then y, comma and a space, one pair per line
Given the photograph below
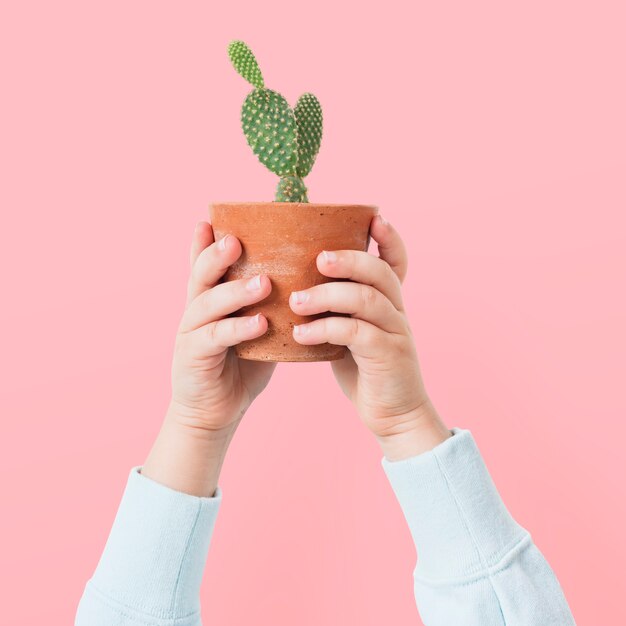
293, 205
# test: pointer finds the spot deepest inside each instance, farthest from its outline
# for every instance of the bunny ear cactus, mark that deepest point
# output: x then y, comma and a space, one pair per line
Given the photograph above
285, 140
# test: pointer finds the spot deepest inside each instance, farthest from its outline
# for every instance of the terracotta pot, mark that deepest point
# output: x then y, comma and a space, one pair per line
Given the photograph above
282, 240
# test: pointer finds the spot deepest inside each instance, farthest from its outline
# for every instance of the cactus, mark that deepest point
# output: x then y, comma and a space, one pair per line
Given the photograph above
285, 140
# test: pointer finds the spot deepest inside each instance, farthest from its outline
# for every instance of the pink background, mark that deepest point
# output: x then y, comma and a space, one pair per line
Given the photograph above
493, 136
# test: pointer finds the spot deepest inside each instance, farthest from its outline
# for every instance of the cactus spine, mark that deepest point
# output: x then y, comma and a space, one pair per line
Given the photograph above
285, 140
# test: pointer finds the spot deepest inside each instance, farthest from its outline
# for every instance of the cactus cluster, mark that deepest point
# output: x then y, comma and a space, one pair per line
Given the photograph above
285, 140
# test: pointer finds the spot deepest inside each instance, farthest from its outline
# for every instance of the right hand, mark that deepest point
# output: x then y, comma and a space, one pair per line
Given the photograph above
211, 387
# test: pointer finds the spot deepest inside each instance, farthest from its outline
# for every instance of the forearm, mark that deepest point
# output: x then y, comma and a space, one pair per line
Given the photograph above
186, 458
475, 565
152, 565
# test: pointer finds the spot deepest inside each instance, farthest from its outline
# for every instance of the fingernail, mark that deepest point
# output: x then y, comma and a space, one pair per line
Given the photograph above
299, 297
382, 220
329, 257
221, 244
300, 330
253, 321
254, 284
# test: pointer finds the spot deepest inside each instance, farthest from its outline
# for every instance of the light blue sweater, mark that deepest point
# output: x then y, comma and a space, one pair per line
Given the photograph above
476, 566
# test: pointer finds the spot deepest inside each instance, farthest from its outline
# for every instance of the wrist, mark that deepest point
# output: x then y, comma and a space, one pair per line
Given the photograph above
199, 423
421, 430
186, 458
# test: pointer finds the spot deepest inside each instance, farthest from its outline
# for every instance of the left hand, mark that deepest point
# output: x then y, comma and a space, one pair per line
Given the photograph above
380, 374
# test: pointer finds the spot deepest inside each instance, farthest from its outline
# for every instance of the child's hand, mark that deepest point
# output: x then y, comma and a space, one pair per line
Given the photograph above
211, 387
380, 374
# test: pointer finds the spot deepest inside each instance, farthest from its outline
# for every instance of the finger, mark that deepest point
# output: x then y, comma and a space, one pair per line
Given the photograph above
347, 373
361, 301
202, 238
224, 299
256, 374
214, 338
211, 264
391, 248
362, 267
361, 338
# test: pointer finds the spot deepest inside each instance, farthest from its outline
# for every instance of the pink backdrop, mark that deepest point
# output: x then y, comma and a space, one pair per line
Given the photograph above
492, 136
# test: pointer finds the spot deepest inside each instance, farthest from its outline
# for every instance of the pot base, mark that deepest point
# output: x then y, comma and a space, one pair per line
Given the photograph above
308, 356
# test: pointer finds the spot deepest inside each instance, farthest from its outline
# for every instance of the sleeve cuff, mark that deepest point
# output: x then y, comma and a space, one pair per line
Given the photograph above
457, 519
155, 555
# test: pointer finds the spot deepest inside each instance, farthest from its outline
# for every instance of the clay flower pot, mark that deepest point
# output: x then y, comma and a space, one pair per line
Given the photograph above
282, 240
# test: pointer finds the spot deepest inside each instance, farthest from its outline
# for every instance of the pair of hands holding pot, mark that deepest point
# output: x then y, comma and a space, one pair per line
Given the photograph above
212, 388
380, 373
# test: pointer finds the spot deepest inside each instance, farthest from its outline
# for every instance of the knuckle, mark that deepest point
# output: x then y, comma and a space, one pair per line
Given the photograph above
240, 286
206, 264
350, 260
199, 267
401, 343
390, 275
322, 293
354, 330
206, 298
210, 332
368, 296
323, 328
227, 295
229, 329
240, 327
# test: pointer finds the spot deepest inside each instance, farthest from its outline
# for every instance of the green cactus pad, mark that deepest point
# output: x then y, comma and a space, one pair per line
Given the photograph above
291, 189
308, 113
242, 58
270, 128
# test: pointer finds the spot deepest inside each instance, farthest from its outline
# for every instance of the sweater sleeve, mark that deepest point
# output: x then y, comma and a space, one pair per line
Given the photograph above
151, 568
476, 566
